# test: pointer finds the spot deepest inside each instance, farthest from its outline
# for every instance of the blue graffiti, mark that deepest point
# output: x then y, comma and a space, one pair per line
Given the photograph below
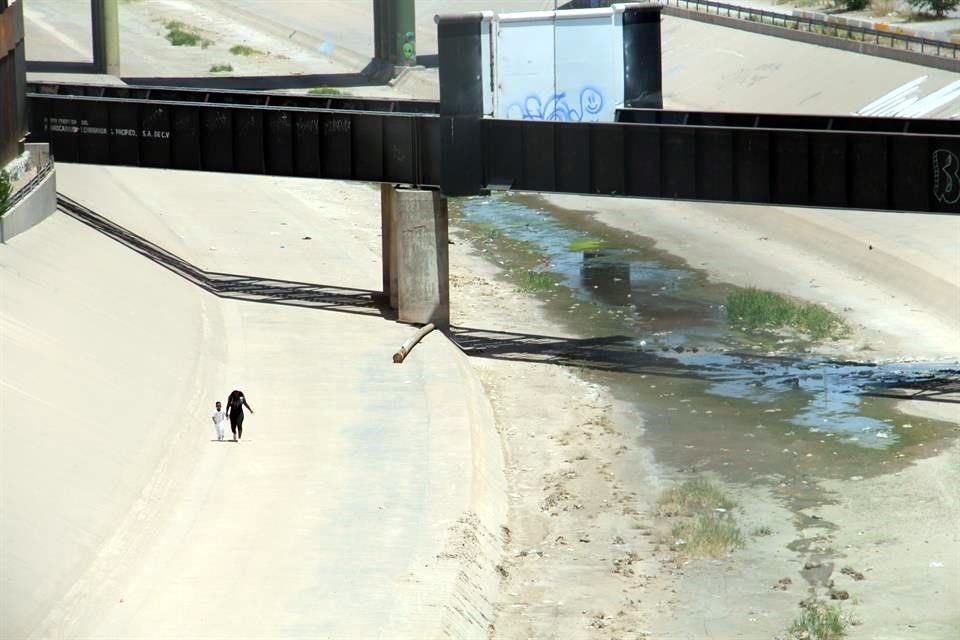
556, 107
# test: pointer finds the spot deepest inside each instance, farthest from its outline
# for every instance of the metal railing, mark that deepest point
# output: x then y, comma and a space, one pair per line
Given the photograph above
858, 33
25, 189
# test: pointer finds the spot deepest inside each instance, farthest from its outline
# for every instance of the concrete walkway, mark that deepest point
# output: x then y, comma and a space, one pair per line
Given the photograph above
365, 498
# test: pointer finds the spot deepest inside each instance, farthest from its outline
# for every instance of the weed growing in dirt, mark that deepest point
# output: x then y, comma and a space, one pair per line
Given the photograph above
762, 531
536, 280
709, 535
488, 230
819, 621
182, 35
691, 497
754, 308
707, 528
244, 50
217, 68
326, 91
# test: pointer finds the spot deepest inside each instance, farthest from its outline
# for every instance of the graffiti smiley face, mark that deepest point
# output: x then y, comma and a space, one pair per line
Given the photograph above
591, 101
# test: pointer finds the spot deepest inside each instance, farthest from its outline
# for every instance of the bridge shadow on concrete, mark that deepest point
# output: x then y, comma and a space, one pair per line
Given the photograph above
932, 389
234, 286
621, 354
617, 354
608, 353
374, 74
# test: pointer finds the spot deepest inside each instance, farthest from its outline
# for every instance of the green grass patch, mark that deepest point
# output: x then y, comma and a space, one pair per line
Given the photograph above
691, 497
708, 535
536, 280
180, 34
218, 68
326, 91
487, 230
754, 309
586, 244
244, 50
819, 621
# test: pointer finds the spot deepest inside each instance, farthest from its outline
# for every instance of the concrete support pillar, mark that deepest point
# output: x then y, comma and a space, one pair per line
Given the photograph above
418, 248
105, 22
388, 248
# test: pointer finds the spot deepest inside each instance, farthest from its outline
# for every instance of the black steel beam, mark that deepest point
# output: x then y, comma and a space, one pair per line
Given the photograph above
800, 167
732, 119
214, 96
862, 165
291, 141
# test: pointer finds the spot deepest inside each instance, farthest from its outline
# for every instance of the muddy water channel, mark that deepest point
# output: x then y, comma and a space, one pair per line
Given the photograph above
749, 407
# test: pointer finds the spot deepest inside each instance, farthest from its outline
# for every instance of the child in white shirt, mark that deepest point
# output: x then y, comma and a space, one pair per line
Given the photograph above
218, 417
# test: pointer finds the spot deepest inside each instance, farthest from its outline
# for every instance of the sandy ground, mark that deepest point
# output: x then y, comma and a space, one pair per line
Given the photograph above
584, 555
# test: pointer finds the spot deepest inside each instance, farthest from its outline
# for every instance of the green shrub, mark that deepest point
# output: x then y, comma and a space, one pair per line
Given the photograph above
6, 190
938, 7
244, 50
183, 35
855, 5
326, 91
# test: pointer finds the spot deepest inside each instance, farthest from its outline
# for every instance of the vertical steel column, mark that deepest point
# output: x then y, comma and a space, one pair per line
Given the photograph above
642, 73
381, 29
395, 32
105, 27
461, 103
405, 33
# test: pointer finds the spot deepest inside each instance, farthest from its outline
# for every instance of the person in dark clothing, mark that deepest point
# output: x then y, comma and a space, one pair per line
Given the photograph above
236, 401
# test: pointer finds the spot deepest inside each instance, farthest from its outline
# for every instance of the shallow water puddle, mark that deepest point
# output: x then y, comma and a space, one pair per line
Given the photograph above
747, 407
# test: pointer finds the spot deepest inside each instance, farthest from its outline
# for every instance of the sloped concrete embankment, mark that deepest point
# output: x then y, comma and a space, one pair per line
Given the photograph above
97, 380
479, 533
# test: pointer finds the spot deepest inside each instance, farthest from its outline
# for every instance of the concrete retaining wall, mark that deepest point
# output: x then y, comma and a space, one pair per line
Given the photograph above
860, 23
32, 208
901, 55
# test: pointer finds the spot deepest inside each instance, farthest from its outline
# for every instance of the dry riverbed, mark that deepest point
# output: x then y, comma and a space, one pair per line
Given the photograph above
588, 555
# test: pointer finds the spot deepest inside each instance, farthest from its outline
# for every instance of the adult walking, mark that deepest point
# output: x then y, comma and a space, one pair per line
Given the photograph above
236, 401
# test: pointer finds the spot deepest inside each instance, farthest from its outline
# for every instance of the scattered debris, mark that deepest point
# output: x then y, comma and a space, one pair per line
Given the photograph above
782, 584
853, 573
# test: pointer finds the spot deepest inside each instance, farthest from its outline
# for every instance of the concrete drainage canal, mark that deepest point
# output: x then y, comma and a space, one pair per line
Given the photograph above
752, 407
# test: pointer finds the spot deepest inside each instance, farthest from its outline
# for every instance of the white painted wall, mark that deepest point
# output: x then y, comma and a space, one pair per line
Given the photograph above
565, 65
